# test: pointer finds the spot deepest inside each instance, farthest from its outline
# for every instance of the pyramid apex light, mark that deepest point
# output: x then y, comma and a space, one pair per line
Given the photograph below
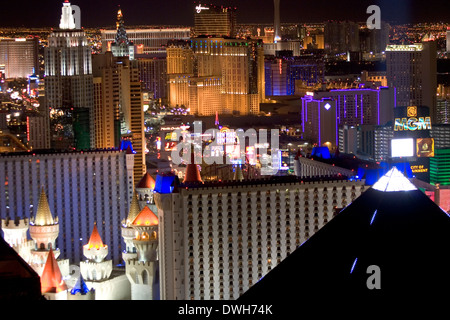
392, 181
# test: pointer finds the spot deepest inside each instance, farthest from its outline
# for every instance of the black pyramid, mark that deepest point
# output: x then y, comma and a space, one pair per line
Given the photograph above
391, 241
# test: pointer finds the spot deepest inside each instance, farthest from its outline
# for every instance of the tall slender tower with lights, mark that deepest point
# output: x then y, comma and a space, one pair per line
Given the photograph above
69, 82
277, 22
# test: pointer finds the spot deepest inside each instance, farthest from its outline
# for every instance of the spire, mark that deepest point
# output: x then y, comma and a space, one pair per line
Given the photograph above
238, 176
51, 279
216, 122
134, 209
95, 241
67, 18
121, 36
192, 172
80, 287
43, 215
146, 218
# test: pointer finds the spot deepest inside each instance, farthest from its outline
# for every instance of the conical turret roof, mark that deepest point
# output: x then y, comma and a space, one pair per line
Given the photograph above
147, 182
43, 216
95, 241
134, 209
80, 287
146, 218
392, 226
192, 174
51, 279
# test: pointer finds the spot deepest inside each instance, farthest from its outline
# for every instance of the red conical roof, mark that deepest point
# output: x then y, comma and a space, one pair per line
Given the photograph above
147, 182
146, 218
95, 241
192, 174
51, 279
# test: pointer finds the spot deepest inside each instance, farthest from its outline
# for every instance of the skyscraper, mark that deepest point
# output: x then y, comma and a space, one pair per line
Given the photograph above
277, 21
210, 75
412, 71
217, 21
69, 83
19, 56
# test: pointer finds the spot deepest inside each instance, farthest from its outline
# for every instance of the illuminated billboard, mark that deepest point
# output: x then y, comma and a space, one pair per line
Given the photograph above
425, 147
402, 148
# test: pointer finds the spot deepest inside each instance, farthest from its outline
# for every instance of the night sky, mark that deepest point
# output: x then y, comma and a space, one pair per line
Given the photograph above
101, 13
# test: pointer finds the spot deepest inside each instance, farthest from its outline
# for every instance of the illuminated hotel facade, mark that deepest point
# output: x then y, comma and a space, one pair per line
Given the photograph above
411, 70
83, 188
150, 41
217, 240
19, 57
217, 21
324, 111
210, 75
69, 80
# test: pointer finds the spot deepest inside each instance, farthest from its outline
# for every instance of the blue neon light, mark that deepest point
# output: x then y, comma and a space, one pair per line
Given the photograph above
353, 266
373, 217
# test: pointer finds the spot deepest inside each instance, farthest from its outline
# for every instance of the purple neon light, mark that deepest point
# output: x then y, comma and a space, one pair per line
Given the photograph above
356, 106
362, 110
378, 103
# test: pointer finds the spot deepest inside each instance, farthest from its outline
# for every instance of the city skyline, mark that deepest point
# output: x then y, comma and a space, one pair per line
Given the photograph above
249, 11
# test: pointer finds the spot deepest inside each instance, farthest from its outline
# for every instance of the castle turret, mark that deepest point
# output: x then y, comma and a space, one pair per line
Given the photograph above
15, 234
44, 229
96, 268
128, 232
144, 190
142, 271
53, 286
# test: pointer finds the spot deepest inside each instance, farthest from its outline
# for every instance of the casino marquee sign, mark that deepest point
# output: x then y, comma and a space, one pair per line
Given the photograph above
412, 122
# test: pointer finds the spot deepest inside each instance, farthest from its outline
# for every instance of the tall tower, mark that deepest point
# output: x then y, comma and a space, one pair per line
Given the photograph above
122, 47
44, 230
411, 70
277, 21
69, 83
142, 272
96, 268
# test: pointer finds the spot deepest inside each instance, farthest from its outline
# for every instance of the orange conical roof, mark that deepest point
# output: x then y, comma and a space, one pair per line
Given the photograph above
192, 172
146, 218
51, 279
147, 182
95, 241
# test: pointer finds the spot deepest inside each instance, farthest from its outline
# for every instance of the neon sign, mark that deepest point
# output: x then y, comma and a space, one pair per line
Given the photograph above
199, 8
412, 124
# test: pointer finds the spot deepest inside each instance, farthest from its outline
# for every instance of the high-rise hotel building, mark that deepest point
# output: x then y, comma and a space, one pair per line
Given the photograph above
69, 81
218, 239
19, 57
215, 20
149, 41
222, 75
411, 71
83, 188
119, 111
